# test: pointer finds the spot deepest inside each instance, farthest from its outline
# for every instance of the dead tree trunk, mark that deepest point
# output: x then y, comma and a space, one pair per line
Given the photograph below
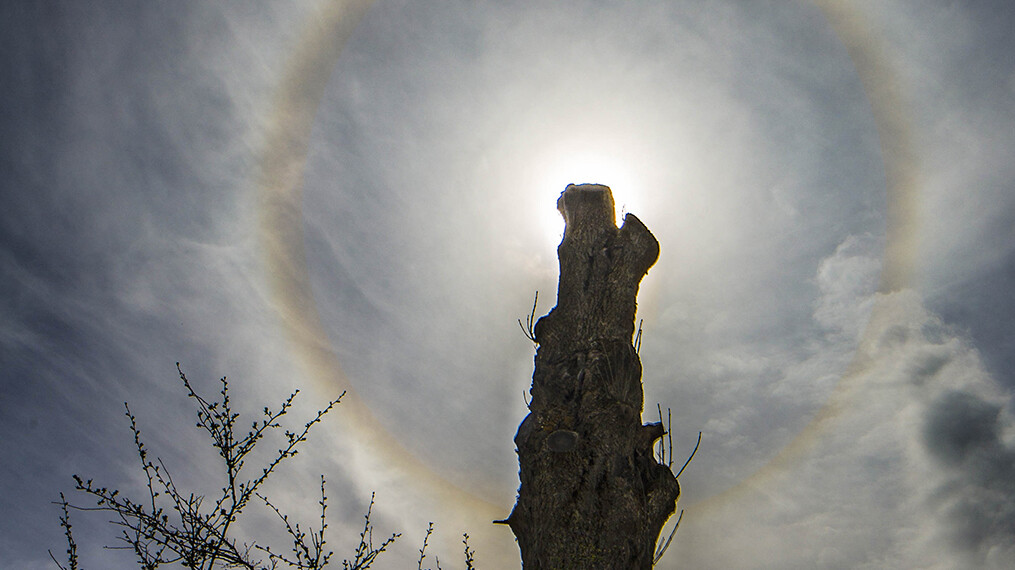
592, 494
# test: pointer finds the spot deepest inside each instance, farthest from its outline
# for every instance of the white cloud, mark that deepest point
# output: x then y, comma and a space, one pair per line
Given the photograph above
911, 469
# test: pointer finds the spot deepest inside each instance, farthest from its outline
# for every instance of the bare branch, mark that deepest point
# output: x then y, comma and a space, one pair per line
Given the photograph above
690, 457
171, 526
637, 337
530, 322
662, 549
469, 553
72, 547
422, 550
366, 553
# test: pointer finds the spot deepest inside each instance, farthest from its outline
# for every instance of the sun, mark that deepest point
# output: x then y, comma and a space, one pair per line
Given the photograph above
569, 163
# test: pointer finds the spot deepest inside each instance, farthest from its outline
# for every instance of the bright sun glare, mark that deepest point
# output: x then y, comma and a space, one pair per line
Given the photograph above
579, 166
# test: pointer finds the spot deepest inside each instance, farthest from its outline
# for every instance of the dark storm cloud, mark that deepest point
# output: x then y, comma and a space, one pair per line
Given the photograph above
977, 500
956, 422
958, 425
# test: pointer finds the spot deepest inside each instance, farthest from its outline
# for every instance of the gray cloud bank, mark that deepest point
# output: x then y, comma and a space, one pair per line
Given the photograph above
914, 470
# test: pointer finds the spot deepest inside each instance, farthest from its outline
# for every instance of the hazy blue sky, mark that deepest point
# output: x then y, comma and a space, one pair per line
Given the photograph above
831, 184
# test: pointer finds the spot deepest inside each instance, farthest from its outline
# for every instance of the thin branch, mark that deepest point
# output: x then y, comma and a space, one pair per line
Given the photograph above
662, 550
662, 449
366, 553
307, 556
690, 457
666, 449
530, 322
469, 553
669, 436
637, 338
422, 550
72, 547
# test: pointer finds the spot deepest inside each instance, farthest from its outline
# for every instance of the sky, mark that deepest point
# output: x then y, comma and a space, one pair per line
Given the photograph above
360, 196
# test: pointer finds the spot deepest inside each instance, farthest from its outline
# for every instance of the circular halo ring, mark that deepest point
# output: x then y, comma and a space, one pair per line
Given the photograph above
280, 185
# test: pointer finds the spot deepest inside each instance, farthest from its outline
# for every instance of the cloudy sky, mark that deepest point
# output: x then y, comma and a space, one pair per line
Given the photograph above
360, 196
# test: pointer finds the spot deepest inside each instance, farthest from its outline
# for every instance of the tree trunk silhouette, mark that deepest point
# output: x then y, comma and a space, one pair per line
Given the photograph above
592, 494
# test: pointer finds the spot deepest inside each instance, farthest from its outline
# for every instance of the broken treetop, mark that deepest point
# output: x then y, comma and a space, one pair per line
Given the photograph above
599, 264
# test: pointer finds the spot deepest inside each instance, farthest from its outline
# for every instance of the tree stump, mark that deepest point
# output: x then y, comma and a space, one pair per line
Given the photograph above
592, 494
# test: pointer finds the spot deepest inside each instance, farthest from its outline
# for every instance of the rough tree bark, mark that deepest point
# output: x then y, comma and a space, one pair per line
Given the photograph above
592, 494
